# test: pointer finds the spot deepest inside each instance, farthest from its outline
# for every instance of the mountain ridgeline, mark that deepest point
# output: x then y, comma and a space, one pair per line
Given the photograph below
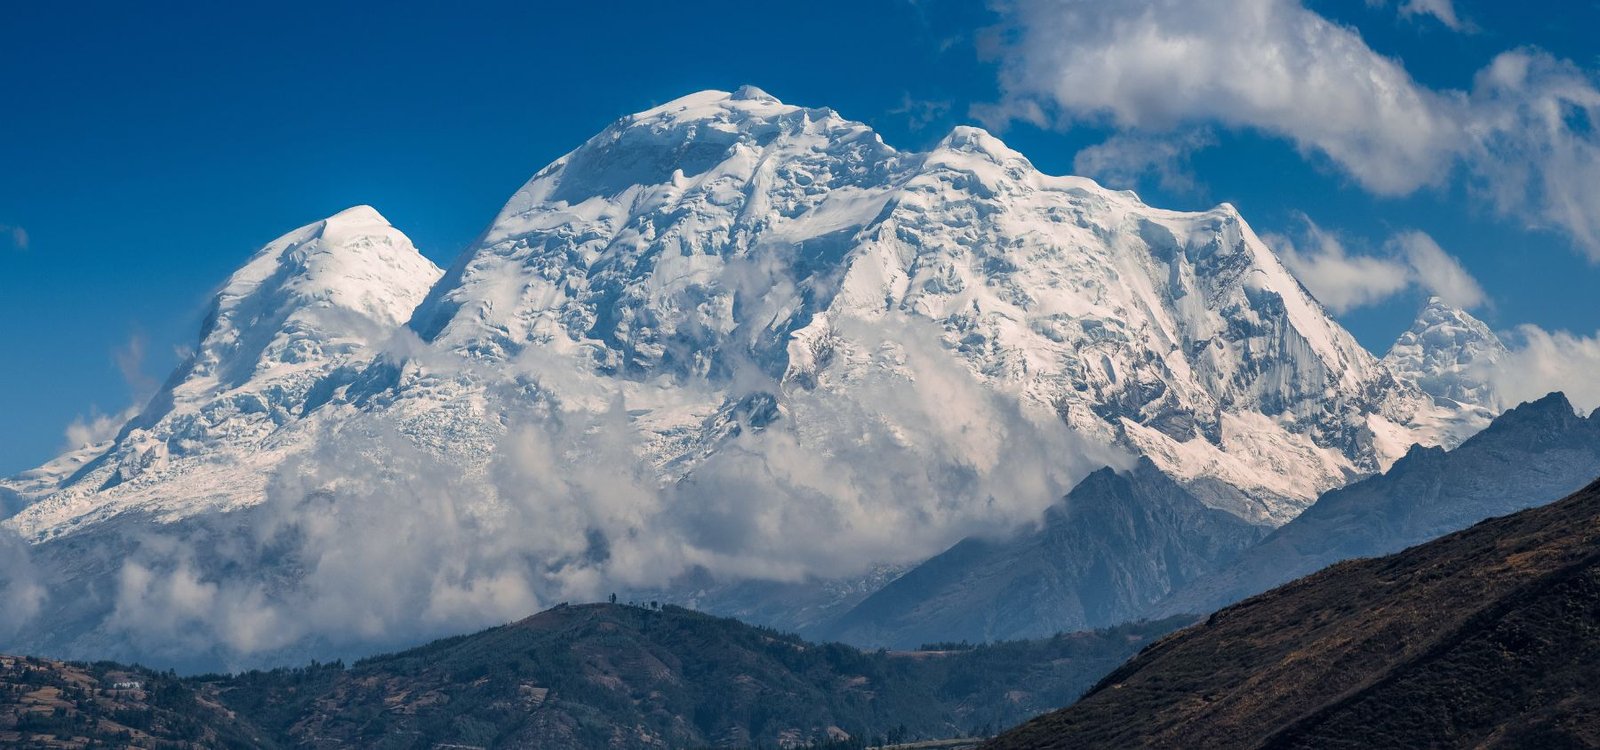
1124, 546
576, 677
1116, 545
1529, 456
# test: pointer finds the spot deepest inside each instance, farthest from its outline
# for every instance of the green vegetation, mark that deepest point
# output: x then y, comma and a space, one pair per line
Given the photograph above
600, 675
592, 675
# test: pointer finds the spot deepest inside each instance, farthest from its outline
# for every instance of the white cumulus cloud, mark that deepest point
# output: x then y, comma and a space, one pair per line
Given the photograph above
1523, 135
1542, 361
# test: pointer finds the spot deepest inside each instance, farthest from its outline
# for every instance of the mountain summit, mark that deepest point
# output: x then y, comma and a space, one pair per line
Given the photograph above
306, 309
1448, 354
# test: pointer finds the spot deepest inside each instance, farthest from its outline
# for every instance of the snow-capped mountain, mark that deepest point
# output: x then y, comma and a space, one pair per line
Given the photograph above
1449, 354
285, 334
722, 233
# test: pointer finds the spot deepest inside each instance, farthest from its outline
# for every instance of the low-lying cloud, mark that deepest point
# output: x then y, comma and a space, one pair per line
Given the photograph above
1541, 361
375, 539
21, 588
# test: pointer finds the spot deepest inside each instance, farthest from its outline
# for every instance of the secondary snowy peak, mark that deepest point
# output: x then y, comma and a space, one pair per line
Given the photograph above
1448, 353
315, 294
308, 303
1179, 335
286, 331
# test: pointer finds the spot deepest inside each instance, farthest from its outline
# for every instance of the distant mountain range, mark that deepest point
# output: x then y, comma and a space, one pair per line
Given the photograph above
1118, 543
728, 349
1484, 638
1124, 546
575, 677
1529, 456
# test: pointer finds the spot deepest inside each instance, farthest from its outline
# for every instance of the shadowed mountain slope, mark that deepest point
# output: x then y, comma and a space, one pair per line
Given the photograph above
1529, 456
1487, 637
1115, 545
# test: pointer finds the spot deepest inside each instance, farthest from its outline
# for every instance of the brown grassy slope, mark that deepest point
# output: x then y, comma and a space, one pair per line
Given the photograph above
1485, 636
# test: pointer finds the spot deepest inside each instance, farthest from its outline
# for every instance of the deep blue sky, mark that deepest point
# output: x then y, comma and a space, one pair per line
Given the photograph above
147, 149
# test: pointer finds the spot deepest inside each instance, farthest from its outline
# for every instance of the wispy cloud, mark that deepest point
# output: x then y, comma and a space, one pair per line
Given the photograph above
130, 360
1337, 279
97, 427
1122, 160
17, 236
1443, 11
1344, 281
21, 587
920, 113
1437, 271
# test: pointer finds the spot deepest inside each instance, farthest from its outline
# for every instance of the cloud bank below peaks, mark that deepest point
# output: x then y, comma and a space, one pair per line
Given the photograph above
391, 541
